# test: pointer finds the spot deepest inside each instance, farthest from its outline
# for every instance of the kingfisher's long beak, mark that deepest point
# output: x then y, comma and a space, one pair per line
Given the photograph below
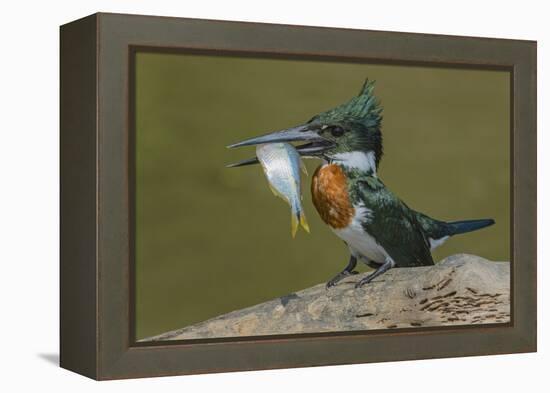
304, 133
248, 161
300, 133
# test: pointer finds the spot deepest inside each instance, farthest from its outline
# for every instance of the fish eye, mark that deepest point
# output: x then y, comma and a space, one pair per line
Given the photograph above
337, 131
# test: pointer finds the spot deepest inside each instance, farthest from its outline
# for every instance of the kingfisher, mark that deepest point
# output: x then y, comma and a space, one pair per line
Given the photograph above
378, 228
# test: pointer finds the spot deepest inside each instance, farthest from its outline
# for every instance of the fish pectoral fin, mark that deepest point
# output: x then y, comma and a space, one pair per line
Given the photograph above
303, 166
274, 191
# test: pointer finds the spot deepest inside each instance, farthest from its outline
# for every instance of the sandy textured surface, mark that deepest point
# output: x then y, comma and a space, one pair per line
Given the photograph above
461, 290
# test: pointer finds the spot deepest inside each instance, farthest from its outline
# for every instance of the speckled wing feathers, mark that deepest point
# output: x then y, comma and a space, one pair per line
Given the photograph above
393, 223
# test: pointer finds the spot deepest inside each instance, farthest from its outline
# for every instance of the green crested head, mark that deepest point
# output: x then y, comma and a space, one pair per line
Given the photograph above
353, 127
348, 134
363, 110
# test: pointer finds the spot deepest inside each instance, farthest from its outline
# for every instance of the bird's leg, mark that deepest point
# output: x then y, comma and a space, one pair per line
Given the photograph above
388, 264
372, 264
348, 271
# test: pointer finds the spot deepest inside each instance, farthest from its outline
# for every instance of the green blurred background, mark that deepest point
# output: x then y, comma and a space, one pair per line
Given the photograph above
210, 240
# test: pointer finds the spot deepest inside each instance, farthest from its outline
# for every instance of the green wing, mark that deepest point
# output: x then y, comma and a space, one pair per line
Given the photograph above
433, 228
394, 225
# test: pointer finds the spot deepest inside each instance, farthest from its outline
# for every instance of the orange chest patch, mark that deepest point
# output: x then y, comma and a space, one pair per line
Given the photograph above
330, 196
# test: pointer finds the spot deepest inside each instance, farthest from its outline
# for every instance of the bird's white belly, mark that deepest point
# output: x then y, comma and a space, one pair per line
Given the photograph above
361, 244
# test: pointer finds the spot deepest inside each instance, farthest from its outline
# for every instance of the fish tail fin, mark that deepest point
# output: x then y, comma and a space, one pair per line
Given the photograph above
298, 218
303, 222
293, 224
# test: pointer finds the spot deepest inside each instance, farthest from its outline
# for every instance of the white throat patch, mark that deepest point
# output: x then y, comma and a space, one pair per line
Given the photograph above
365, 162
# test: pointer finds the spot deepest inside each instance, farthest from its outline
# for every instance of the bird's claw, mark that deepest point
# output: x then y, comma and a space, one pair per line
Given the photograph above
363, 281
340, 277
331, 283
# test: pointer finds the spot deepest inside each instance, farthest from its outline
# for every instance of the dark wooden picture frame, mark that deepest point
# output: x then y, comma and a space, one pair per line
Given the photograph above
97, 337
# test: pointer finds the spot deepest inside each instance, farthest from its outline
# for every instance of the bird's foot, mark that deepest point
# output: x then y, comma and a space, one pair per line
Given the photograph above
365, 280
382, 269
339, 277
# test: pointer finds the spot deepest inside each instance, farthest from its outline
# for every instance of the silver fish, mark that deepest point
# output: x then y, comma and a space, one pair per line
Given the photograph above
281, 164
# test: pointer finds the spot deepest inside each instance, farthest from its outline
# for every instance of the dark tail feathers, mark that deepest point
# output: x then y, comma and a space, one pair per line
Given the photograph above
458, 227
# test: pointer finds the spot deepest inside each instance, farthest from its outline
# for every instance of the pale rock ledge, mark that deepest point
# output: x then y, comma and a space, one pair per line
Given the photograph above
461, 290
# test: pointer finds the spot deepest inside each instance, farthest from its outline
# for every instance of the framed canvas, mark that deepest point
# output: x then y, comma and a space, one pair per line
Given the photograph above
175, 257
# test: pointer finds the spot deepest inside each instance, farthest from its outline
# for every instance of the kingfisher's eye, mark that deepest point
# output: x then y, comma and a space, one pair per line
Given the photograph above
337, 131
